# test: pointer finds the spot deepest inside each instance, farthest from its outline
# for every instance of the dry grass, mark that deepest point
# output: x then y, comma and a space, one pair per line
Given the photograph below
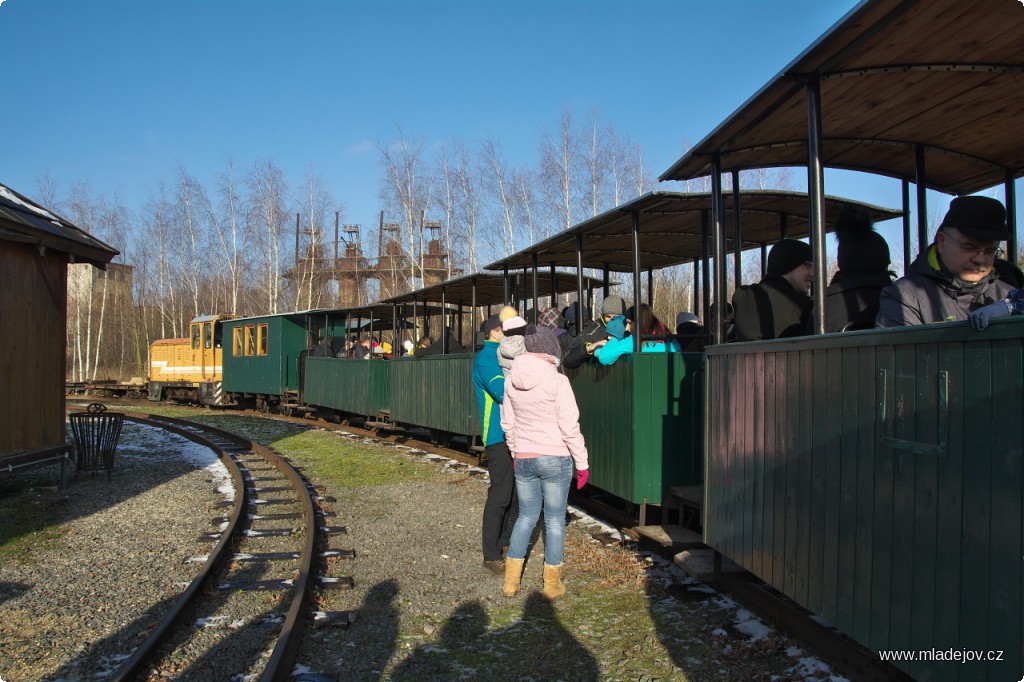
611, 566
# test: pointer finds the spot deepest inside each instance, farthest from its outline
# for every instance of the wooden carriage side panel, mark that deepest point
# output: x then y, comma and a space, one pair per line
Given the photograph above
605, 396
33, 315
864, 404
355, 386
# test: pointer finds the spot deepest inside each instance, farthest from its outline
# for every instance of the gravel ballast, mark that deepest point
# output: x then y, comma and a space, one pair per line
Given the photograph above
424, 607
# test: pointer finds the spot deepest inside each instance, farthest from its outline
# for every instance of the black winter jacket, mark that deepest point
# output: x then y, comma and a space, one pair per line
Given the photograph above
930, 293
576, 354
851, 300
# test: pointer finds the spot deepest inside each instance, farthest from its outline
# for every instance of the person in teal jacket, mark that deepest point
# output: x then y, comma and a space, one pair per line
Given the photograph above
620, 339
489, 385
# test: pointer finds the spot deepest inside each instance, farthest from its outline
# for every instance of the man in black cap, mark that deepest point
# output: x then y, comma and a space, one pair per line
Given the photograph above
489, 384
594, 334
780, 305
955, 275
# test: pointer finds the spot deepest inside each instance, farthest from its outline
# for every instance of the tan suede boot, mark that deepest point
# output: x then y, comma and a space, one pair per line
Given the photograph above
553, 585
513, 577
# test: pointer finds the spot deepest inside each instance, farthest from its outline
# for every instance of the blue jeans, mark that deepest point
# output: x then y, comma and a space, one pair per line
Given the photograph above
541, 481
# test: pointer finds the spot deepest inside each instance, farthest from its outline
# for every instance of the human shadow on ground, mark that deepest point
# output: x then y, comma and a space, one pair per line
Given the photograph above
535, 647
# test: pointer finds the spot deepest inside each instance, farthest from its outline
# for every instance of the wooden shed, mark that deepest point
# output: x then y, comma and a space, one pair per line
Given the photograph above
36, 246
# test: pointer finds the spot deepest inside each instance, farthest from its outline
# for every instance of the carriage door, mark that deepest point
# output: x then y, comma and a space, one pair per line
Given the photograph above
207, 355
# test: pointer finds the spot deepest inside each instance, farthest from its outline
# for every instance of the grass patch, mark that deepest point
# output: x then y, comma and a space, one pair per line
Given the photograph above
341, 462
29, 520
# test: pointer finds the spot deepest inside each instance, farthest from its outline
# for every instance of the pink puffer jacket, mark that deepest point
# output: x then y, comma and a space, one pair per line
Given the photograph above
539, 414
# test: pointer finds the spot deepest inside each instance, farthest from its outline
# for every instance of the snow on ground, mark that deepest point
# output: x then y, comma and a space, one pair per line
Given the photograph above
145, 443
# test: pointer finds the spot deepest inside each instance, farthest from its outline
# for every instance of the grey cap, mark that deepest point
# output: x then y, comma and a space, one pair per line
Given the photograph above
613, 305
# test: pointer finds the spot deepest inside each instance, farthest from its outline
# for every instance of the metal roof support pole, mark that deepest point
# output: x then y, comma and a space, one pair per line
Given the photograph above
581, 318
533, 261
908, 255
705, 266
650, 287
737, 233
371, 333
504, 285
348, 328
394, 327
1011, 219
444, 326
636, 281
783, 226
764, 259
472, 302
816, 196
554, 287
607, 281
718, 236
458, 317
695, 291
922, 199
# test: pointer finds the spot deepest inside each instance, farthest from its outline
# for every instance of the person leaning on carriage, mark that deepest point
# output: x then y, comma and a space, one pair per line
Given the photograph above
780, 304
594, 334
955, 278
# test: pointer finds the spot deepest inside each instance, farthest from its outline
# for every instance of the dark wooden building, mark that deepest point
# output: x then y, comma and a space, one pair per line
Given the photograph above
36, 246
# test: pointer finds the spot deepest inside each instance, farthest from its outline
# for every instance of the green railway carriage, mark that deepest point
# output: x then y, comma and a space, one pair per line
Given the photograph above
877, 479
262, 357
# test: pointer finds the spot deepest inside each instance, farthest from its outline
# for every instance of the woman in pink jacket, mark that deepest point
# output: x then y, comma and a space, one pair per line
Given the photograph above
541, 423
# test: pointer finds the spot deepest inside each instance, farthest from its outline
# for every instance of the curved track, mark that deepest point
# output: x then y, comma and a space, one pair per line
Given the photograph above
238, 543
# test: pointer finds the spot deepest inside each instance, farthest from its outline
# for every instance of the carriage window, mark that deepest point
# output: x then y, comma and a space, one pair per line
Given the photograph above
218, 334
195, 337
236, 346
208, 335
250, 339
261, 339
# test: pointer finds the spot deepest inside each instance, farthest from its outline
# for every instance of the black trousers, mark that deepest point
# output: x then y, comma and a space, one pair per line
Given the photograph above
498, 516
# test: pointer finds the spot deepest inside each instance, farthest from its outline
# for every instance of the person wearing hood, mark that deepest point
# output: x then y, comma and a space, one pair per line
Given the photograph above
955, 275
852, 297
540, 418
780, 305
513, 344
593, 336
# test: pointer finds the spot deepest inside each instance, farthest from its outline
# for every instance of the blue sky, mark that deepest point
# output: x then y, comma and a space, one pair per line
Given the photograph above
118, 93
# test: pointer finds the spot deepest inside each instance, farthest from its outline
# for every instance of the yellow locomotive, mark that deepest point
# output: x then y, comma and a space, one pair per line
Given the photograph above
189, 369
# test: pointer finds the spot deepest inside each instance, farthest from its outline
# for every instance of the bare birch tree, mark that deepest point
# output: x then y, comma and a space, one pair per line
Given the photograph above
267, 192
558, 169
405, 191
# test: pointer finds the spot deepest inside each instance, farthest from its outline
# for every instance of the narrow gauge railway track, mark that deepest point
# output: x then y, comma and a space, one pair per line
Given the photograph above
224, 589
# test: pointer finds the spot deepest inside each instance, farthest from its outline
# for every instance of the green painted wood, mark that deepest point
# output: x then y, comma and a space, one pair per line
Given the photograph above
893, 466
353, 386
271, 374
642, 422
435, 392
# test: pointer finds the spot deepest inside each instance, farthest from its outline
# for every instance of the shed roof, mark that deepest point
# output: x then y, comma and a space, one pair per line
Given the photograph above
670, 229
490, 288
944, 74
23, 220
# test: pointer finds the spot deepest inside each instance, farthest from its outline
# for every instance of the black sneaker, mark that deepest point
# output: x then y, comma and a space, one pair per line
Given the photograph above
497, 567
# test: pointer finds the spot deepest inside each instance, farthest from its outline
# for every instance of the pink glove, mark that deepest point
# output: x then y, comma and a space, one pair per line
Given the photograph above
581, 478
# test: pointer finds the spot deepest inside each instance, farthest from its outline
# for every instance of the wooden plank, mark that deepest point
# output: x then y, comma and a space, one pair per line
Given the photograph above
864, 486
816, 391
945, 628
771, 474
804, 390
835, 532
882, 518
761, 511
975, 579
1007, 546
904, 408
790, 445
926, 426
